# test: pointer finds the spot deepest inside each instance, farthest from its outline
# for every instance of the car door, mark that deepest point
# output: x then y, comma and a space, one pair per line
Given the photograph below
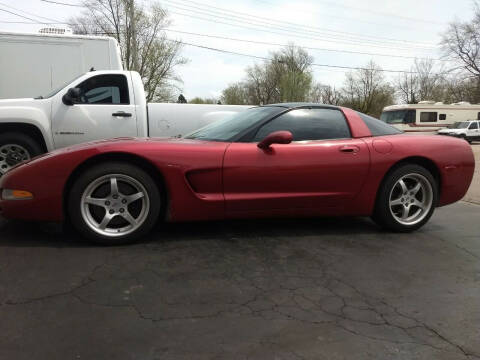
322, 168
105, 109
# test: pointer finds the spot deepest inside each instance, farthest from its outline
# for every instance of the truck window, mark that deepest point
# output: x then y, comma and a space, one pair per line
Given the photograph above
442, 117
428, 116
104, 89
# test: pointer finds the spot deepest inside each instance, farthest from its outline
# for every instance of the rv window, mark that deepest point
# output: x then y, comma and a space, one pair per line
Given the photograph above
428, 117
442, 117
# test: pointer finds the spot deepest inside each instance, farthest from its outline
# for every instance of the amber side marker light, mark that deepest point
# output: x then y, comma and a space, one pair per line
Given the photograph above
16, 195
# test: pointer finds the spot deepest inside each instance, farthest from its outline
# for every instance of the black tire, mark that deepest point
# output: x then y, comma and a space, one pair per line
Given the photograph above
464, 137
32, 147
383, 214
96, 172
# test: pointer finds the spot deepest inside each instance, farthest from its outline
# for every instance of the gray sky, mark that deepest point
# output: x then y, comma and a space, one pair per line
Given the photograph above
405, 28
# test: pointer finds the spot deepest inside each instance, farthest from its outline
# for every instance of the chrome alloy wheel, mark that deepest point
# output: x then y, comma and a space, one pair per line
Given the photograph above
115, 205
11, 155
411, 199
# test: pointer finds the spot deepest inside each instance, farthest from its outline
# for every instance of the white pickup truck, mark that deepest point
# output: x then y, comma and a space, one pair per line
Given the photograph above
96, 105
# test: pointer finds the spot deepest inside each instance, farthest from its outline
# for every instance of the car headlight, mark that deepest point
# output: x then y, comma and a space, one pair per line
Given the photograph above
8, 194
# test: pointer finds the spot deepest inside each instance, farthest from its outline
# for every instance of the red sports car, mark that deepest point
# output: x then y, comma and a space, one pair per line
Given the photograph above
276, 160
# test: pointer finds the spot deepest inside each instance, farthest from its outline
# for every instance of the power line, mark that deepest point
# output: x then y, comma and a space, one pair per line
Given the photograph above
62, 3
304, 47
25, 17
237, 53
268, 59
290, 27
288, 33
282, 23
350, 19
370, 11
26, 12
253, 42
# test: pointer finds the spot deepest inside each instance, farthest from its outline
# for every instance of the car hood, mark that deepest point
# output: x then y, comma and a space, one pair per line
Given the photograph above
117, 144
17, 102
452, 130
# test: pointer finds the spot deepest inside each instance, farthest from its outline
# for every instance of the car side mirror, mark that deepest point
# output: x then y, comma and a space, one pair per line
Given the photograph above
276, 137
72, 96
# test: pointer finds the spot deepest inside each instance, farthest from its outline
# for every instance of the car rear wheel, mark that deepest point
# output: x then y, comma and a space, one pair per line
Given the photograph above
15, 148
114, 203
406, 199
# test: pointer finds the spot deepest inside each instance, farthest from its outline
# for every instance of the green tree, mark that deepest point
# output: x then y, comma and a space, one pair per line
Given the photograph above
143, 44
199, 100
285, 76
235, 94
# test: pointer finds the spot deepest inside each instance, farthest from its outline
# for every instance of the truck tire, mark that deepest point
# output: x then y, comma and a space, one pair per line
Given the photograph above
15, 148
464, 137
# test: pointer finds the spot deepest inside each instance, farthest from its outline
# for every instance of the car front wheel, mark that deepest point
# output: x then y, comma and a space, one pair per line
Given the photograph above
114, 203
406, 199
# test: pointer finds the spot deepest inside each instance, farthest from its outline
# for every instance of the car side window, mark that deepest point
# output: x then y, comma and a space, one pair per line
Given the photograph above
104, 89
308, 124
473, 126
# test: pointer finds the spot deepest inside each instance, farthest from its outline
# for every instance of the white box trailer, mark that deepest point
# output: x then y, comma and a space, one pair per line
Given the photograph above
36, 64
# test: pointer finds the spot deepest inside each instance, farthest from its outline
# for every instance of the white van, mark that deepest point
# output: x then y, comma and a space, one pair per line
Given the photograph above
429, 116
36, 64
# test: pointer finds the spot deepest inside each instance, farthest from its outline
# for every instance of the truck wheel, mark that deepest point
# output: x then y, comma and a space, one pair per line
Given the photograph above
15, 148
406, 199
114, 203
464, 137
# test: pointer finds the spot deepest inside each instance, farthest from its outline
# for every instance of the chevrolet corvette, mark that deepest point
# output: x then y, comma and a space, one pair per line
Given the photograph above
282, 160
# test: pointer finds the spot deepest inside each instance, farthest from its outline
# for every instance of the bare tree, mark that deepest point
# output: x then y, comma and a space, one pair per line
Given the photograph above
143, 44
367, 91
461, 43
424, 81
325, 94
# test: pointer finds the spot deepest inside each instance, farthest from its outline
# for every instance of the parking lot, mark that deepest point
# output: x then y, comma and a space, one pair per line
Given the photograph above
272, 289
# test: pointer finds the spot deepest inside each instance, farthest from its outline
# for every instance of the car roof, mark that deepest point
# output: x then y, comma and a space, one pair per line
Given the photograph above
292, 105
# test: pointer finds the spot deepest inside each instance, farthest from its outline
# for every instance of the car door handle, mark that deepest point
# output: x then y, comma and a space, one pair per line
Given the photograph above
350, 149
122, 114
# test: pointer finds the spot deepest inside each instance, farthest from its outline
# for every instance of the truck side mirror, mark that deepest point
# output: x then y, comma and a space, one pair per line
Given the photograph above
72, 96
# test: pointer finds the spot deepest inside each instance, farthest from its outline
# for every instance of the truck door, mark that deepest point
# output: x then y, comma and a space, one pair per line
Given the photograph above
105, 109
473, 131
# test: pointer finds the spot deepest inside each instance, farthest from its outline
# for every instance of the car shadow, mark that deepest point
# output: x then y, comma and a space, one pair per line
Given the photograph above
32, 234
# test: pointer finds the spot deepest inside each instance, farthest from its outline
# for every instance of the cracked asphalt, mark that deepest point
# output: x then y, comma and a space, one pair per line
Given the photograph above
273, 289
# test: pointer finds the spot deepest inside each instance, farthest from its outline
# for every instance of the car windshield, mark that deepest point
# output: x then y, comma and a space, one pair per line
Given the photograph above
228, 128
55, 92
393, 117
460, 125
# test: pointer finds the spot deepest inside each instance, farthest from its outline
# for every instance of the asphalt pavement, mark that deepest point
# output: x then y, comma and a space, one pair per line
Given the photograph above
285, 289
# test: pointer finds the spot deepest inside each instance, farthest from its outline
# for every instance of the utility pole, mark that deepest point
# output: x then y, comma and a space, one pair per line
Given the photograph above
133, 32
